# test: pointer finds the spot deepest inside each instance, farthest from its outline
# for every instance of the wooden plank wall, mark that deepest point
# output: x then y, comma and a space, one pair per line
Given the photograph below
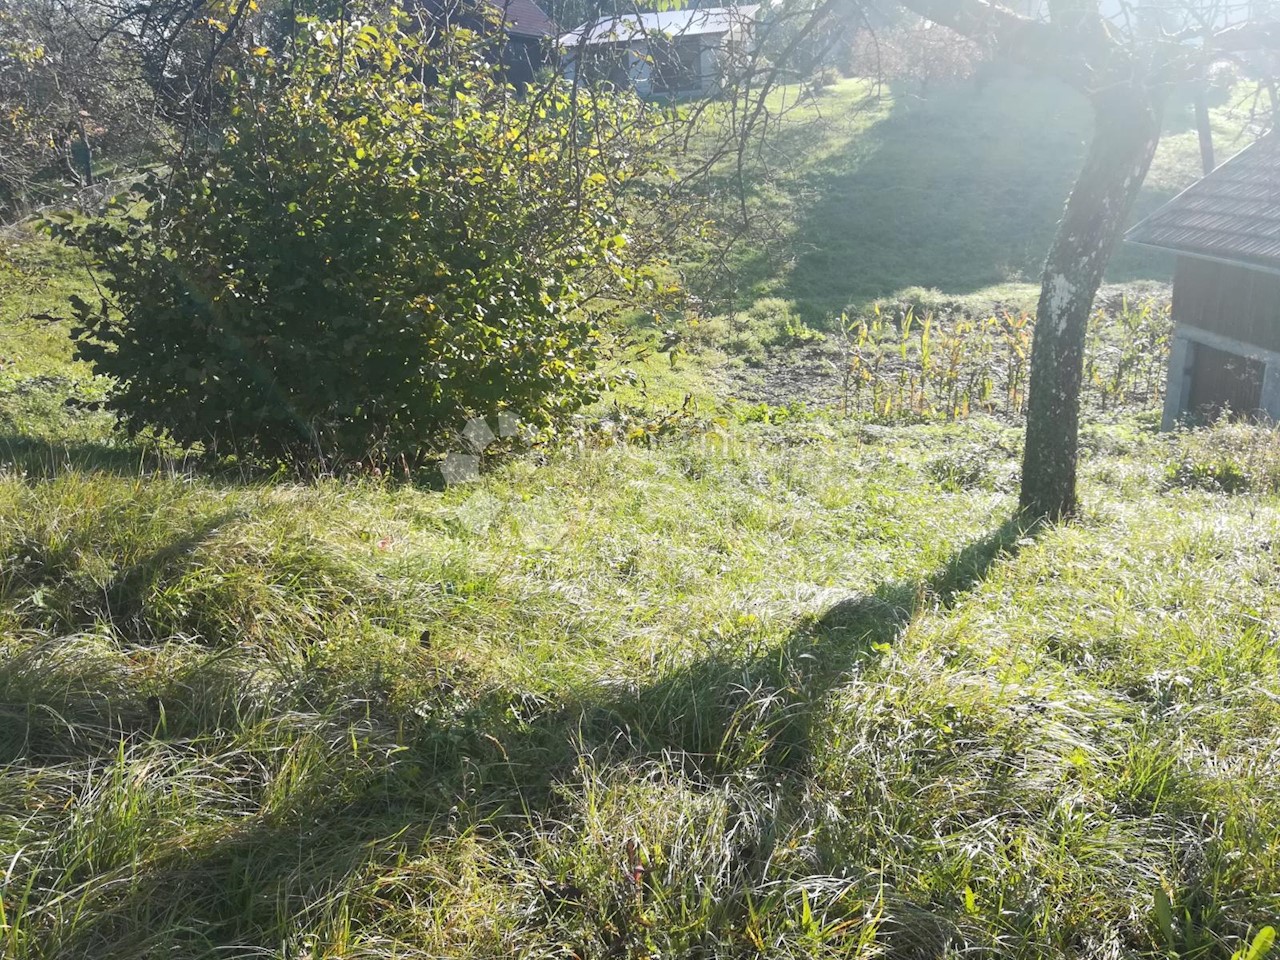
1229, 300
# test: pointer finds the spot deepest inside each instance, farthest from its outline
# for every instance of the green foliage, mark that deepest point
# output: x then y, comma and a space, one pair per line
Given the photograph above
1227, 458
1128, 352
73, 100
386, 241
897, 362
1223, 474
759, 692
1259, 947
767, 413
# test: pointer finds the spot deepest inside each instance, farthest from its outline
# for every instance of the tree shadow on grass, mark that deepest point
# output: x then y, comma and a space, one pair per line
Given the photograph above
242, 888
120, 599
40, 459
56, 704
959, 192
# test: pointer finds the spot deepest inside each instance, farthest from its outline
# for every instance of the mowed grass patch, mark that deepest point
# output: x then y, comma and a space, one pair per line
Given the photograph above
782, 691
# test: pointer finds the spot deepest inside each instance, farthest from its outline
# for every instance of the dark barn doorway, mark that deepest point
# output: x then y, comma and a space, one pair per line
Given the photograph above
1224, 383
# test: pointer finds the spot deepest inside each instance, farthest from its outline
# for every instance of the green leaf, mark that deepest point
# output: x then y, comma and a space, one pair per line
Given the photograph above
1164, 918
1259, 948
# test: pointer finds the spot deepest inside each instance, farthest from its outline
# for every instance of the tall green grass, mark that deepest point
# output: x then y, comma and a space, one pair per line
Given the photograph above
789, 691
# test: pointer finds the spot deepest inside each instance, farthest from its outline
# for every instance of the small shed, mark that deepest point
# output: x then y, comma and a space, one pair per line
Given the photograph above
670, 52
1225, 230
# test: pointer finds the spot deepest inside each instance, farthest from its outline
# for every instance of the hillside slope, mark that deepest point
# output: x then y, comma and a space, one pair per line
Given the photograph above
958, 191
763, 683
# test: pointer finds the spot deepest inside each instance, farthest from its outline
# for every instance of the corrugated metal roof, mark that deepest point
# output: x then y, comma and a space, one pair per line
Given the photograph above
1232, 214
673, 23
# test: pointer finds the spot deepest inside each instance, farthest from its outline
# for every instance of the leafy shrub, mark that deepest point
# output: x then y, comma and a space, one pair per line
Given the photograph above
74, 94
763, 412
386, 241
1218, 474
1128, 352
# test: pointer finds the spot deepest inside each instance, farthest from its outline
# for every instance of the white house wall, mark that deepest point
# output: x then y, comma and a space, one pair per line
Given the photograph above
638, 65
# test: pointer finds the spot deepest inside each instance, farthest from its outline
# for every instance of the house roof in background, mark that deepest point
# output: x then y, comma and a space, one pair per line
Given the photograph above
1231, 214
524, 18
519, 18
674, 23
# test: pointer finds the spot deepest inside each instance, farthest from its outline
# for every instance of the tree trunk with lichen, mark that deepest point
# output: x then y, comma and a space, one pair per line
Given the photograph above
1126, 131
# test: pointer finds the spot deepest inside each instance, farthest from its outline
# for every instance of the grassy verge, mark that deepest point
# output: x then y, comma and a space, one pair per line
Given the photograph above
793, 691
41, 386
955, 190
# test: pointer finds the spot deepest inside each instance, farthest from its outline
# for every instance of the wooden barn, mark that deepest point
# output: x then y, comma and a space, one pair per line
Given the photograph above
1225, 229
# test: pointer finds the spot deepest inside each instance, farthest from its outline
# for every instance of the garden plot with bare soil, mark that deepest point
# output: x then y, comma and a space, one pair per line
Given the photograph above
919, 360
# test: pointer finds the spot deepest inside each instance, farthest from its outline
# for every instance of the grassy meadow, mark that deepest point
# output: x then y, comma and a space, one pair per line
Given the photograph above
875, 193
747, 681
